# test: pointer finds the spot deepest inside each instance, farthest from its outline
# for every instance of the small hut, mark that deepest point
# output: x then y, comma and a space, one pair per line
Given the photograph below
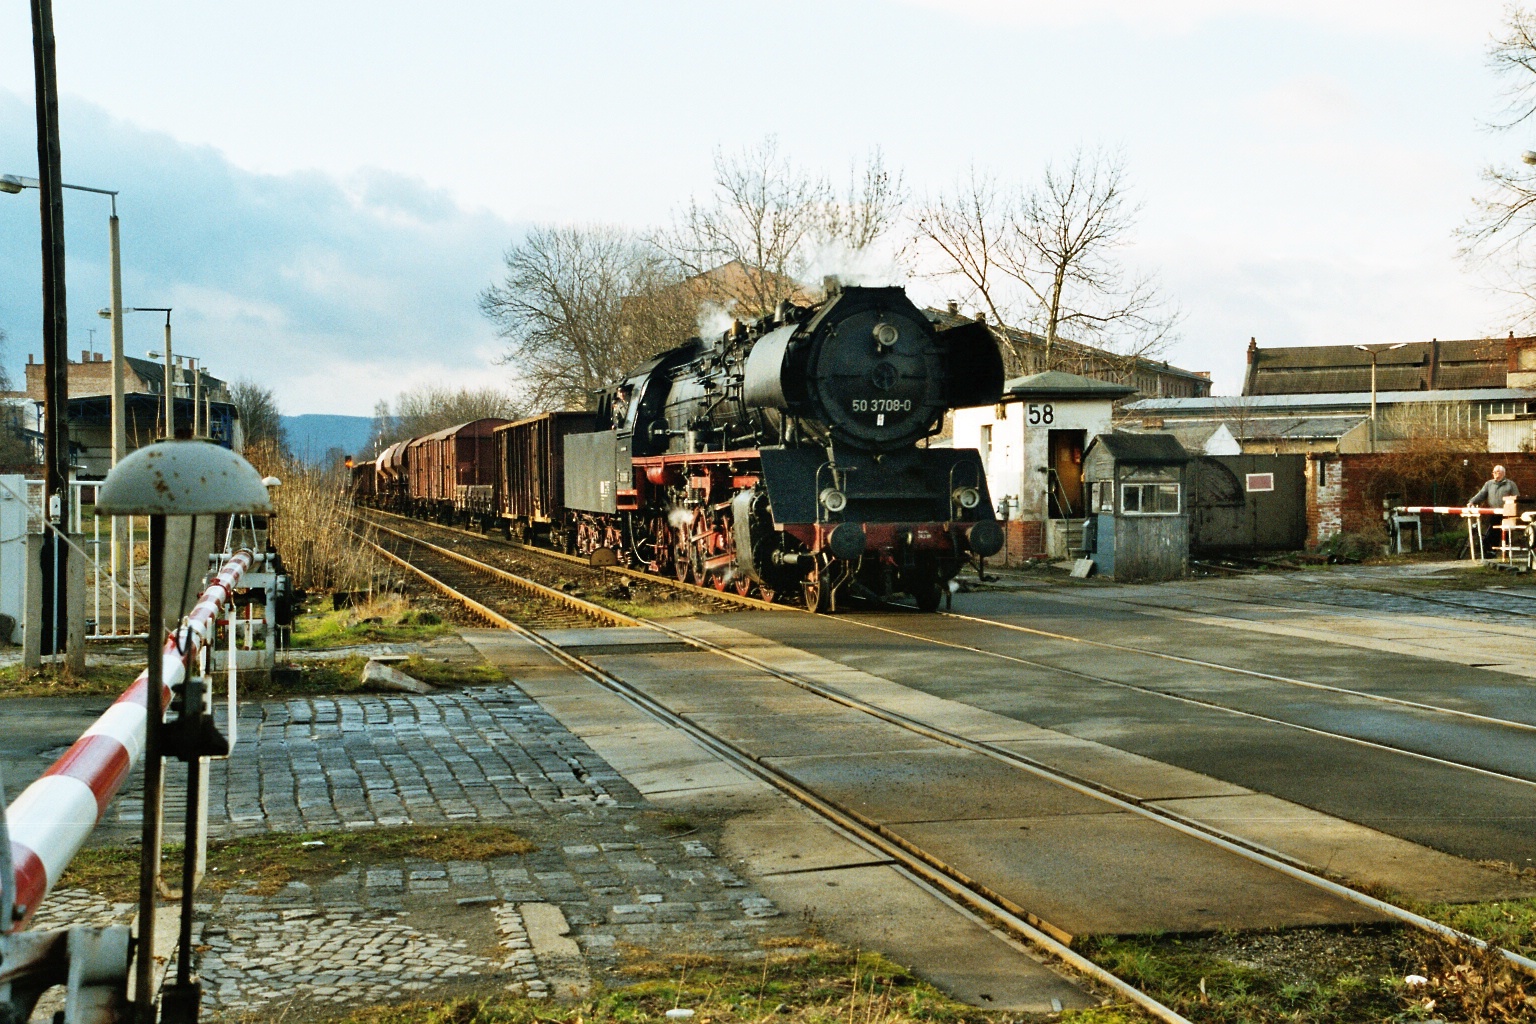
1139, 506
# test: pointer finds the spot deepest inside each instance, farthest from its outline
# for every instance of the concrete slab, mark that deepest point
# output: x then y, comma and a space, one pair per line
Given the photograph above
614, 639
811, 871
557, 954
1120, 873
871, 908
1128, 773
937, 785
1347, 850
831, 731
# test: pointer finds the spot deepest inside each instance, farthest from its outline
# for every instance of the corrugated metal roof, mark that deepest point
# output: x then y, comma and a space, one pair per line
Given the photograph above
1419, 365
1341, 400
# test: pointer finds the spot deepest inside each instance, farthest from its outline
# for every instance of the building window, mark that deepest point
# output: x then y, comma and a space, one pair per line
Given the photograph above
1149, 499
985, 444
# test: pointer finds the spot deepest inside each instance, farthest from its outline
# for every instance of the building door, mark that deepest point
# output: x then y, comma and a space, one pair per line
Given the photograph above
1066, 473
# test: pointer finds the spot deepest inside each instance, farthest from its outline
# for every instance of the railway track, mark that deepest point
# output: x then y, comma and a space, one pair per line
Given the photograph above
930, 870
1341, 691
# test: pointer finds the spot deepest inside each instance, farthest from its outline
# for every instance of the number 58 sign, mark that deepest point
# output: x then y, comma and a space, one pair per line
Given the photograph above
1043, 413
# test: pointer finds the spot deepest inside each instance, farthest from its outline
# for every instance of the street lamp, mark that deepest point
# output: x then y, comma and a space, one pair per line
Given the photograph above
1373, 352
12, 184
170, 389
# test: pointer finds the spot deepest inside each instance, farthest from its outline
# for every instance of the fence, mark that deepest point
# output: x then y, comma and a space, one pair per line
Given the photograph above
117, 553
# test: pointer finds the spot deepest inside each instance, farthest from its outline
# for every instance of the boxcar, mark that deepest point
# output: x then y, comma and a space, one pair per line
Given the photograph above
453, 472
530, 464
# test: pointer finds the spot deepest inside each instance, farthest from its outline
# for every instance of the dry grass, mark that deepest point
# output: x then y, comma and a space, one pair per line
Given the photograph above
310, 526
270, 862
811, 982
59, 681
1475, 986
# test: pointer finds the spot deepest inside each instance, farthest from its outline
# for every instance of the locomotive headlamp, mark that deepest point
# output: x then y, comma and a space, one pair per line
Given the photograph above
833, 500
966, 497
885, 335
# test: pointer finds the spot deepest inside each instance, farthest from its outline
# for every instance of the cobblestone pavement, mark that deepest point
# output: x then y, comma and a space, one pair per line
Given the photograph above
607, 865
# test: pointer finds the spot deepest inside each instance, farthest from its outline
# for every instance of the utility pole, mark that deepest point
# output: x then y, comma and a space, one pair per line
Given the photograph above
55, 331
119, 414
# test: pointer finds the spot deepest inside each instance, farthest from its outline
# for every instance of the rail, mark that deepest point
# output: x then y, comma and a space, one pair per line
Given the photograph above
51, 819
1194, 829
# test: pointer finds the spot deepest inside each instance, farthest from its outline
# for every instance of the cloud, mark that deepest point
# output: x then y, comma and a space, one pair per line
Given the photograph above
333, 292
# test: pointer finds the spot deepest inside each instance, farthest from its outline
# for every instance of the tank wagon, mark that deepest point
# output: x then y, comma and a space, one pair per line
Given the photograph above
788, 456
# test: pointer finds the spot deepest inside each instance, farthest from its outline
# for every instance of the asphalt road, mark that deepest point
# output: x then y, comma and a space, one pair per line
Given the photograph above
1443, 806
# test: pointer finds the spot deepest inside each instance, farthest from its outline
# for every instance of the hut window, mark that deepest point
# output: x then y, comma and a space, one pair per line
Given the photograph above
1149, 499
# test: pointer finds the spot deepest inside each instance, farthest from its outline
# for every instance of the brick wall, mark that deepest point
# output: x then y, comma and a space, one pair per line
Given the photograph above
1345, 493
1026, 540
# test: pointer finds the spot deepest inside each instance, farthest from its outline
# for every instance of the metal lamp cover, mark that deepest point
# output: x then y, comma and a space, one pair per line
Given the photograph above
182, 478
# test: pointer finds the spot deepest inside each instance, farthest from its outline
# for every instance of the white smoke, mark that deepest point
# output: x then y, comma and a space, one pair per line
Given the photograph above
714, 320
680, 518
873, 266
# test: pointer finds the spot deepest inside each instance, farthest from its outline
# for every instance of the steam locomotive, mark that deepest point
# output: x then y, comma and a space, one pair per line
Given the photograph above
785, 455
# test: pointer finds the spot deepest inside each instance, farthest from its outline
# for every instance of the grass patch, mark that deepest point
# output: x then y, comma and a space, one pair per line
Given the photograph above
272, 861
59, 681
345, 675
1507, 923
1230, 981
813, 982
387, 618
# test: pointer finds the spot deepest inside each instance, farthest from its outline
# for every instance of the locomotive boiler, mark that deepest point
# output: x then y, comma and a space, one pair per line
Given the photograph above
793, 454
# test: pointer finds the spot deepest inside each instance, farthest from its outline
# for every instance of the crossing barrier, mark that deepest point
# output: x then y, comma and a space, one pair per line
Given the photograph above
52, 818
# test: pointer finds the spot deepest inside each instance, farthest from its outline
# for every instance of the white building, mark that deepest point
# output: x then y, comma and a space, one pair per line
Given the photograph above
1032, 445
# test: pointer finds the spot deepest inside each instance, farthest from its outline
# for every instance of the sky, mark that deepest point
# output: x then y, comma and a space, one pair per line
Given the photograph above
321, 190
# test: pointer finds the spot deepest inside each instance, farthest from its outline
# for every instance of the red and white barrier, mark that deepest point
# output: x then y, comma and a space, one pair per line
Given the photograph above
1452, 510
51, 819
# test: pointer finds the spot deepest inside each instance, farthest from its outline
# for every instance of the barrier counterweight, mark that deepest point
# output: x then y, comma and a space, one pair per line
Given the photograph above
51, 819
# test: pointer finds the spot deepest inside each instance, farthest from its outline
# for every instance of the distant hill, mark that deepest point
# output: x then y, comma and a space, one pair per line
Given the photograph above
312, 435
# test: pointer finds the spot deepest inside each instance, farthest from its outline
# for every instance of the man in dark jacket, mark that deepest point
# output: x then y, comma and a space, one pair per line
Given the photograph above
1492, 495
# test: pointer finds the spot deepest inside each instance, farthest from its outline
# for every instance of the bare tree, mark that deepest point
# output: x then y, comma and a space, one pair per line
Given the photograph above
431, 407
1498, 235
967, 227
1046, 257
579, 306
261, 420
748, 246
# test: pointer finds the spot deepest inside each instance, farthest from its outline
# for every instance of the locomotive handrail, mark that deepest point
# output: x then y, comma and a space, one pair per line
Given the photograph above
52, 818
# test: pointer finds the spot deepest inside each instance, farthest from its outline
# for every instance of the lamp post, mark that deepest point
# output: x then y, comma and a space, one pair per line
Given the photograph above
13, 184
1373, 352
170, 388
56, 361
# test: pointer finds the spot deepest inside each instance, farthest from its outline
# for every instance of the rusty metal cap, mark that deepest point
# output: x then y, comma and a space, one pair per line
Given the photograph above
182, 478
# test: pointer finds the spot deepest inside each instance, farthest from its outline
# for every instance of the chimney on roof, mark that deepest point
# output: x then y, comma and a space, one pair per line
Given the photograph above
29, 358
953, 308
981, 318
1253, 348
85, 355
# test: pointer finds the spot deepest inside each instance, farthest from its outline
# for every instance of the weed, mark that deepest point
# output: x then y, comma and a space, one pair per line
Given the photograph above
59, 681
272, 861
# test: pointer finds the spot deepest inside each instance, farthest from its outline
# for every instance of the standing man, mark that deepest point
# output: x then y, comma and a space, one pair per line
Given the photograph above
1492, 495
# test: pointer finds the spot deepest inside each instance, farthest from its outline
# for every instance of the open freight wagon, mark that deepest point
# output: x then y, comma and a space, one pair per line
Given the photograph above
530, 461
